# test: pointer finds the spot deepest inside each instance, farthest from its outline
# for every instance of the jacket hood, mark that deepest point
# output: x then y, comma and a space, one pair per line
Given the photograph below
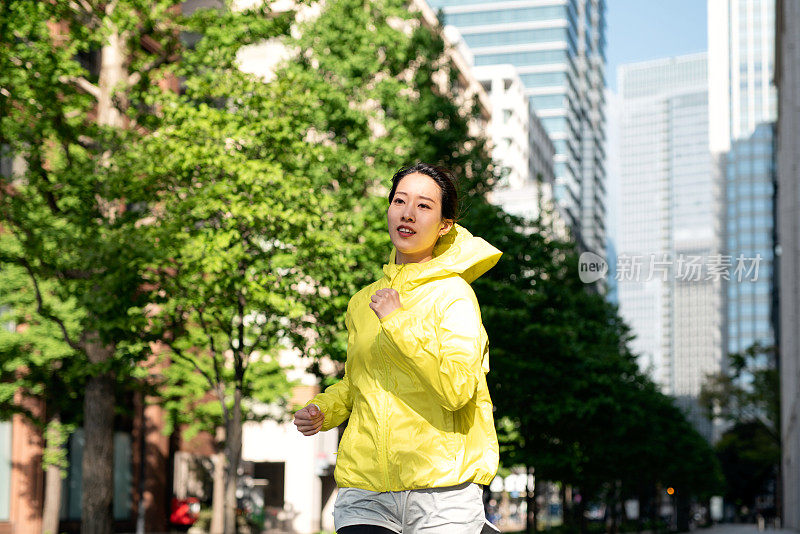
456, 252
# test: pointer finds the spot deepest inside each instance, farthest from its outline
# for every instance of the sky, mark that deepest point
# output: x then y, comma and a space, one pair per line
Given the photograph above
639, 30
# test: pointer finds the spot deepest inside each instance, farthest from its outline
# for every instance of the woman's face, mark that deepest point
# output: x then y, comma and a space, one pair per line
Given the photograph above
415, 218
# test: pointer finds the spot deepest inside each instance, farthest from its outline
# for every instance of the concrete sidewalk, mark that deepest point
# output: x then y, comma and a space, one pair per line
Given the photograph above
739, 528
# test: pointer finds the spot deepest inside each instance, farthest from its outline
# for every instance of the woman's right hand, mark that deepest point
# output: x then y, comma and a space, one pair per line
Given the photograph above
309, 420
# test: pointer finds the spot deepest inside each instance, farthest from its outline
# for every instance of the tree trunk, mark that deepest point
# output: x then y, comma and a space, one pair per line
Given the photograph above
583, 527
218, 496
612, 506
779, 491
530, 502
98, 410
233, 453
655, 509
112, 73
683, 506
98, 456
52, 480
641, 495
52, 500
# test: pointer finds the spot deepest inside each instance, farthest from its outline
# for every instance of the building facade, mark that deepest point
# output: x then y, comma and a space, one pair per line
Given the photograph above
669, 231
787, 76
519, 144
743, 107
751, 305
558, 48
741, 59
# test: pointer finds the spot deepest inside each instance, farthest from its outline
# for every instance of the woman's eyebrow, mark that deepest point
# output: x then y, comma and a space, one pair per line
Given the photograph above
421, 196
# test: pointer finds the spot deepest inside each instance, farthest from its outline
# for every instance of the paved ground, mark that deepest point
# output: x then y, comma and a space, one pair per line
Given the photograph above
728, 528
725, 528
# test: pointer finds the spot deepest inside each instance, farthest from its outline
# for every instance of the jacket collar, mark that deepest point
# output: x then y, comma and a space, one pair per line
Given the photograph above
456, 252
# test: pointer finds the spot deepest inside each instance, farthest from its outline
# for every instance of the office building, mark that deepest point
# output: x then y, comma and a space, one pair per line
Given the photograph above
750, 308
668, 282
741, 110
787, 78
741, 57
558, 48
520, 146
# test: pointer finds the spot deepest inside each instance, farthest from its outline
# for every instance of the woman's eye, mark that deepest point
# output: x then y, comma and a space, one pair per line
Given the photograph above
424, 206
397, 201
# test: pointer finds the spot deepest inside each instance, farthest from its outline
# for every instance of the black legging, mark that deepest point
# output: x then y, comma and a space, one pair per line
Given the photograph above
364, 529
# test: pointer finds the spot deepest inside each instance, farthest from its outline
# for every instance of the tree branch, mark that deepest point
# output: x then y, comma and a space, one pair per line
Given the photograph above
136, 77
217, 370
35, 161
83, 84
111, 6
179, 353
260, 338
87, 9
64, 274
238, 360
45, 313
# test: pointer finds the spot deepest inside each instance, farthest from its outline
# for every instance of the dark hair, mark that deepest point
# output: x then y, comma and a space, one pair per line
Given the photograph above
443, 178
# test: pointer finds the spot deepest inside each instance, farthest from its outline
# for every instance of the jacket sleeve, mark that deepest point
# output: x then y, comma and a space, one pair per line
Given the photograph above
445, 357
336, 402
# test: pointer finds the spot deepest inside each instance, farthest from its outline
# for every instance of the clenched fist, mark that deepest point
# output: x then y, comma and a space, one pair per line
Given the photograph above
384, 302
309, 420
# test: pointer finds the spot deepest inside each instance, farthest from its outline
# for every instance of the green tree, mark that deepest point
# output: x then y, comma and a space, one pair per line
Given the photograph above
68, 75
35, 363
746, 390
387, 96
252, 227
584, 414
746, 396
750, 459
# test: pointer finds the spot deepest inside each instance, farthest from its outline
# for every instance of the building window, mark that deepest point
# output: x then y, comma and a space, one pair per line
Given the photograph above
123, 477
520, 59
5, 469
503, 16
544, 79
548, 101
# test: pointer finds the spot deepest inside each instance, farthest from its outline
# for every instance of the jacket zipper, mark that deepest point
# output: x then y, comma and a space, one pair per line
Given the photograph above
385, 414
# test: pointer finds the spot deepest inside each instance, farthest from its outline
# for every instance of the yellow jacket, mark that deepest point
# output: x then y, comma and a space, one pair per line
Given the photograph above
414, 386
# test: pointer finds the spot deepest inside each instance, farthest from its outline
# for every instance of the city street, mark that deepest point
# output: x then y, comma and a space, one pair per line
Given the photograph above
744, 529
728, 528
541, 256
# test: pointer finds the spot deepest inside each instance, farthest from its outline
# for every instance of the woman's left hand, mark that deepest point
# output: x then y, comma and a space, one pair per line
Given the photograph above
384, 302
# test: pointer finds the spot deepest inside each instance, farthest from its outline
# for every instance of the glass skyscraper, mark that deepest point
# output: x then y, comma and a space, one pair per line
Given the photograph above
669, 234
750, 233
741, 57
743, 109
558, 48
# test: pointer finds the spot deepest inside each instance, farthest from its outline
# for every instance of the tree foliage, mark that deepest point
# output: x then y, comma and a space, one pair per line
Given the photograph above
746, 390
745, 396
570, 398
230, 217
68, 75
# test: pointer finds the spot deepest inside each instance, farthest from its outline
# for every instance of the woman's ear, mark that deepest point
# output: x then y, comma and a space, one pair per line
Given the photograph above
448, 224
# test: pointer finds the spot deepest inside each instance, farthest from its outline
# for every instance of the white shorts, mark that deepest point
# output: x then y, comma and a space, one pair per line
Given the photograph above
450, 510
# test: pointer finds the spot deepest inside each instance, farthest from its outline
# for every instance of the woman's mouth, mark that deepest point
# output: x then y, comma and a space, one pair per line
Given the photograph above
405, 231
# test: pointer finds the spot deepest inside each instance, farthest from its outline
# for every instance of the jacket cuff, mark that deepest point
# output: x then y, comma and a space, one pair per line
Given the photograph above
317, 403
391, 315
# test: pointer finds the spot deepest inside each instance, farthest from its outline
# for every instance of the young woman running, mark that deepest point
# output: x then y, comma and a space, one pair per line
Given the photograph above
420, 441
